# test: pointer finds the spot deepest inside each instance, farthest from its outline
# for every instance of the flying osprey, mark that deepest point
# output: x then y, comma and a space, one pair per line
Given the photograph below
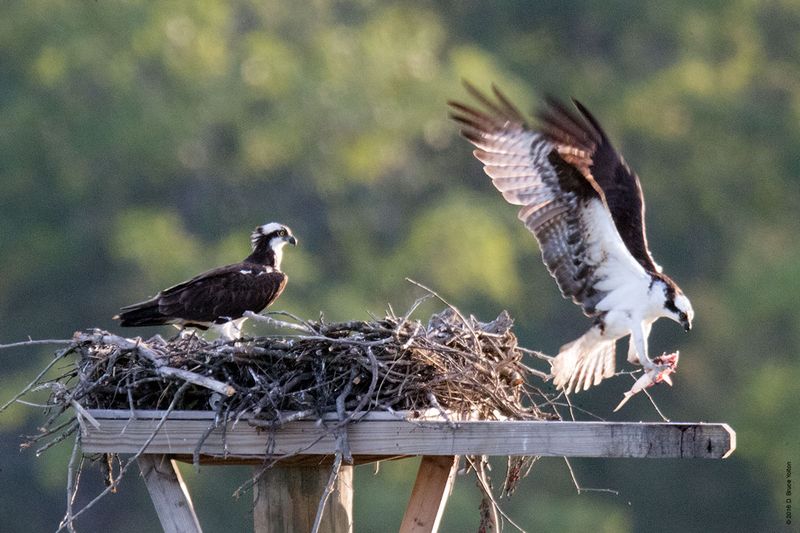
585, 207
220, 297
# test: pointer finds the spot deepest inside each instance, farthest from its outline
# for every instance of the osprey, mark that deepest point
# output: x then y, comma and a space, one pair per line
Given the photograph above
220, 297
585, 207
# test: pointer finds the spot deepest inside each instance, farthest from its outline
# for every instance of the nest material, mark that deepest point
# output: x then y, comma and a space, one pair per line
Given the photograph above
455, 365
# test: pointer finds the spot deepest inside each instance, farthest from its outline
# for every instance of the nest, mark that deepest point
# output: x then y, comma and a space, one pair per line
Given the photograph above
457, 366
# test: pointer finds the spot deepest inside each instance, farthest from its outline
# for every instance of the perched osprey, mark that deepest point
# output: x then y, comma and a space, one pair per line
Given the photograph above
585, 207
218, 298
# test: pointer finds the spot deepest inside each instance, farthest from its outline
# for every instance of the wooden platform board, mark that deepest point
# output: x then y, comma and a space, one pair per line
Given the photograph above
384, 435
377, 436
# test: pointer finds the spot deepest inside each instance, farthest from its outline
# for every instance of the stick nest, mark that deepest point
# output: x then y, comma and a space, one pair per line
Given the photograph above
453, 364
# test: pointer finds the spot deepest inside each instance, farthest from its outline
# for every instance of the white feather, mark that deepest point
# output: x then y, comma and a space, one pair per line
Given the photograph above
277, 244
266, 229
230, 330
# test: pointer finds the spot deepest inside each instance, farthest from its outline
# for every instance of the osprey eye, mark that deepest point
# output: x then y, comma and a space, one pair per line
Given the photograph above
282, 233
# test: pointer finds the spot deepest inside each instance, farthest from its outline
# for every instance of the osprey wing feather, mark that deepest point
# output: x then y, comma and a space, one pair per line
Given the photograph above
582, 143
564, 208
223, 292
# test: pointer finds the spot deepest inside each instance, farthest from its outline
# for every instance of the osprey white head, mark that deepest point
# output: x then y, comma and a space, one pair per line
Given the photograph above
267, 242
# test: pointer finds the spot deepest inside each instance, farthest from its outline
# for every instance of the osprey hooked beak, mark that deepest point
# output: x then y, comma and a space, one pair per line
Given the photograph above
680, 310
291, 240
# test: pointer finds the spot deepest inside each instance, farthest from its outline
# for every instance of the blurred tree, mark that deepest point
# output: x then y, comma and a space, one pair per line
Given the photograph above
140, 143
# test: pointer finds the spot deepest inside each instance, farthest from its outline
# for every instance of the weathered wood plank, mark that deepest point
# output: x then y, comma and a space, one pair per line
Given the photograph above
432, 487
296, 460
169, 495
285, 500
397, 437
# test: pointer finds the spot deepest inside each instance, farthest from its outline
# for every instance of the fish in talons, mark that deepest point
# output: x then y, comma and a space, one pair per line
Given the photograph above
665, 365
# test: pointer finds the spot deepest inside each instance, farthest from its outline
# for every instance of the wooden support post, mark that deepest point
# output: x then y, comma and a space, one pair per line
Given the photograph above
286, 500
434, 482
168, 492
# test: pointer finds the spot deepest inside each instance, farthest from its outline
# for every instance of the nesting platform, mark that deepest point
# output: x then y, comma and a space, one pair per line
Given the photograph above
310, 448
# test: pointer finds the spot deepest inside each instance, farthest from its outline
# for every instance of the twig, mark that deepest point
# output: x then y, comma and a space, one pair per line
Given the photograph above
71, 428
114, 482
33, 404
337, 464
448, 304
277, 323
536, 353
486, 488
581, 490
72, 484
35, 381
103, 337
31, 342
404, 319
664, 418
82, 413
296, 318
544, 376
487, 491
273, 424
342, 446
572, 475
435, 403
191, 377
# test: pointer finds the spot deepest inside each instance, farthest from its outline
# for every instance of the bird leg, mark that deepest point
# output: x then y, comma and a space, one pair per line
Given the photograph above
638, 340
639, 337
633, 353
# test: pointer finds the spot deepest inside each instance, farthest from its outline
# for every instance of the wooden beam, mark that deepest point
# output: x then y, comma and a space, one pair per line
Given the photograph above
384, 437
286, 500
169, 495
297, 460
432, 487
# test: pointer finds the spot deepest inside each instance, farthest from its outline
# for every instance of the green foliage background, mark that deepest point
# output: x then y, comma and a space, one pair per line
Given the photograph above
140, 142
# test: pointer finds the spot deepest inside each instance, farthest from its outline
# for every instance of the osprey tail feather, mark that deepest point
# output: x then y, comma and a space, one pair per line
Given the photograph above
584, 362
142, 314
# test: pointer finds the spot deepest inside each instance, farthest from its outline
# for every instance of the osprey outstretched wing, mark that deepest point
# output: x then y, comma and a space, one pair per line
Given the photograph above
583, 144
221, 296
585, 208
